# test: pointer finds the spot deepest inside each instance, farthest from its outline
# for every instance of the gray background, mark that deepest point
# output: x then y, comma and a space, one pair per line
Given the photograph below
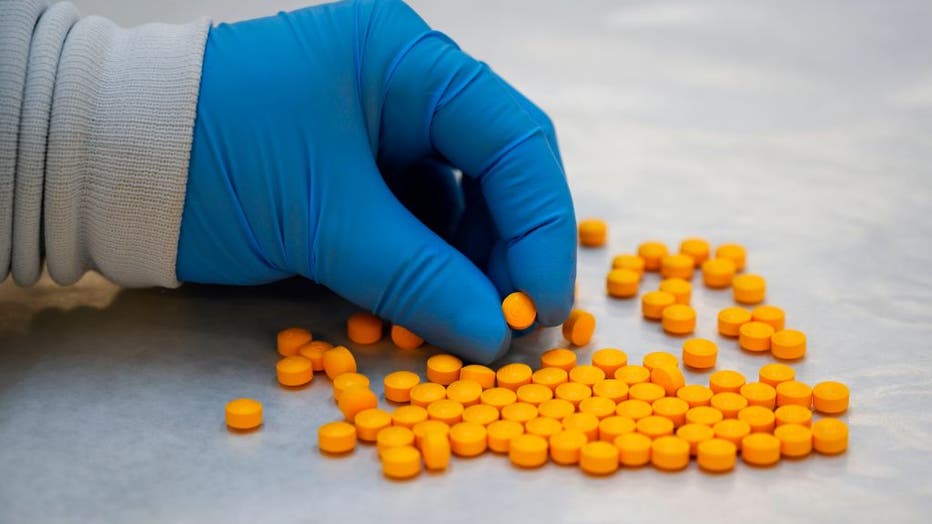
802, 129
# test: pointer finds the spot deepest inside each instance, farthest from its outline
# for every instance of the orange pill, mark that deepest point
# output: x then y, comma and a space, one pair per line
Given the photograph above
759, 394
398, 385
592, 232
480, 414
425, 393
655, 426
613, 426
338, 360
394, 437
436, 450
579, 327
519, 412
289, 340
695, 434
670, 378
346, 381
243, 414
793, 414
513, 376
774, 374
466, 392
829, 436
587, 423
788, 344
699, 353
612, 389
677, 266
680, 289
543, 426
598, 458
716, 455
718, 273
468, 439
500, 434
314, 351
409, 416
697, 249
732, 430
652, 252
404, 338
671, 408
695, 395
760, 449
728, 403
633, 449
731, 319
566, 445
364, 328
558, 358
830, 397
402, 462
631, 375
444, 369
755, 336
586, 374
669, 453
795, 440
498, 397
355, 399
622, 283
733, 252
771, 315
654, 302
556, 408
550, 377
519, 310
749, 289
793, 392
447, 411
534, 394
573, 392
478, 373
679, 319
601, 407
528, 451
629, 261
421, 429
704, 415
609, 360
336, 437
294, 371
634, 409
646, 391
759, 418
659, 358
369, 422
726, 380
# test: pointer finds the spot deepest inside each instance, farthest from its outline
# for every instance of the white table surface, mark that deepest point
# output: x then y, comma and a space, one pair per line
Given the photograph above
801, 129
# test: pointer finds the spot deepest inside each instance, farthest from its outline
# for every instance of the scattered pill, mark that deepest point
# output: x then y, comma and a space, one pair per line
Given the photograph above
679, 288
634, 409
695, 434
652, 252
347, 380
759, 394
732, 430
534, 394
760, 449
793, 414
550, 377
443, 369
314, 351
397, 386
704, 415
669, 453
622, 283
774, 374
718, 273
733, 252
601, 407
731, 319
483, 414
290, 339
630, 262
421, 429
466, 392
403, 338
726, 380
484, 375
369, 422
500, 434
425, 393
612, 389
755, 336
788, 344
829, 436
562, 358
716, 455
528, 451
573, 392
498, 397
393, 437
409, 416
566, 445
633, 449
679, 319
793, 392
695, 395
677, 266
586, 374
697, 249
659, 358
609, 360
468, 439
543, 426
401, 462
795, 440
579, 327
294, 371
336, 437
364, 328
592, 232
338, 360
632, 375
749, 289
243, 414
585, 422
759, 418
513, 376
613, 426
654, 302
769, 315
355, 399
598, 458
728, 403
446, 411
699, 353
556, 408
519, 412
519, 310
669, 377
830, 397
655, 426
436, 449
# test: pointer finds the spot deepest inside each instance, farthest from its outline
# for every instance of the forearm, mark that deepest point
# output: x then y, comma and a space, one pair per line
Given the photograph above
94, 143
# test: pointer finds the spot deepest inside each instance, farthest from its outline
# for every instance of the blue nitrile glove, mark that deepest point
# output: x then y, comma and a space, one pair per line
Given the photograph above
324, 146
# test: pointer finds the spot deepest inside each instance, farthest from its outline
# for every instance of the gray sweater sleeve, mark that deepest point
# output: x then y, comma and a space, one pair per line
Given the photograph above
95, 135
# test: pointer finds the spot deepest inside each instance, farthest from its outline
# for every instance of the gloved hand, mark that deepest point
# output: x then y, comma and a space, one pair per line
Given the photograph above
325, 145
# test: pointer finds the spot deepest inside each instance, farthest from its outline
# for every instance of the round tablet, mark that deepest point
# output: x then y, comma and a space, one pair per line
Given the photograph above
397, 385
587, 423
793, 414
558, 358
598, 458
519, 412
478, 373
788, 344
646, 391
601, 407
795, 440
793, 392
500, 434
393, 437
699, 353
612, 389
829, 436
659, 358
400, 463
579, 327
726, 380
592, 232
652, 252
550, 377
519, 310
755, 336
408, 416
830, 397
294, 371
446, 411
483, 414
498, 397
428, 426
573, 392
654, 302
443, 369
336, 437
733, 252
671, 408
718, 273
629, 261
356, 399
703, 415
716, 455
338, 360
679, 288
436, 450
369, 422
528, 451
696, 248
695, 434
670, 378
633, 449
732, 430
289, 340
244, 413
426, 392
314, 351
695, 395
468, 439
769, 315
609, 360
759, 394
749, 289
730, 320
634, 409
404, 338
543, 426
655, 426
669, 453
556, 408
678, 319
622, 283
774, 374
677, 266
566, 445
614, 426
631, 375
364, 328
466, 392
346, 381
513, 376
586, 374
760, 449
759, 418
728, 403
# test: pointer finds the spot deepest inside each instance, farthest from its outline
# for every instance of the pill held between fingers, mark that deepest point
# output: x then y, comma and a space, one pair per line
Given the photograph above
633, 449
369, 422
677, 266
659, 358
403, 338
481, 414
630, 262
528, 451
579, 327
562, 358
566, 445
435, 447
550, 377
466, 392
793, 392
243, 414
716, 455
468, 439
398, 385
749, 289
679, 288
634, 409
829, 436
679, 319
726, 380
425, 393
728, 403
289, 340
654, 302
314, 351
652, 252
755, 336
294, 371
695, 395
409, 416
671, 408
612, 389
393, 437
733, 252
598, 458
347, 380
556, 408
670, 378
718, 273
622, 283
788, 344
543, 426
760, 449
632, 375
795, 440
609, 360
401, 462
519, 310
484, 375
355, 399
501, 432
338, 360
592, 232
336, 437
364, 328
774, 374
512, 376
669, 453
830, 397
731, 319
771, 315
696, 248
443, 369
